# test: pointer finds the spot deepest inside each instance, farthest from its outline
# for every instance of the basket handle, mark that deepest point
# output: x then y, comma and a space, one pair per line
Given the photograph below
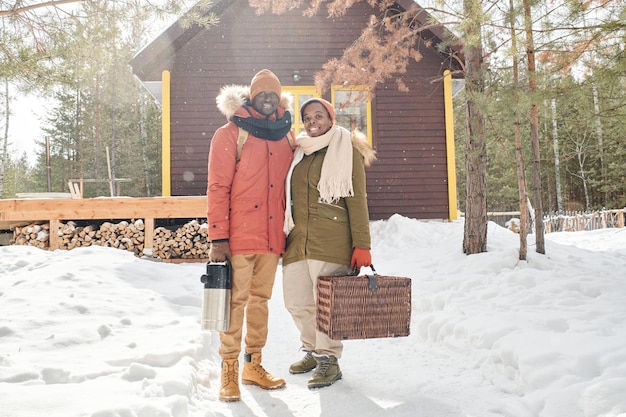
356, 271
372, 284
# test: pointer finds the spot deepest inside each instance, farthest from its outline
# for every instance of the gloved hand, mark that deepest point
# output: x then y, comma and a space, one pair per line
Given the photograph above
220, 251
360, 257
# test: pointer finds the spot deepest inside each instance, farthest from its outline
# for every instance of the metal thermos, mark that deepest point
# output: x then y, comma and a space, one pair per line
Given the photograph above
216, 303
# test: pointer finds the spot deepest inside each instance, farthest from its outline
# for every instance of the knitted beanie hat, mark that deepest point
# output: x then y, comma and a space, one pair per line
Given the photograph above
264, 80
329, 107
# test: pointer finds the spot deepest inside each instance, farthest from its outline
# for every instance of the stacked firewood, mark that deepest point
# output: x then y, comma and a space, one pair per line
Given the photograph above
37, 235
124, 235
188, 241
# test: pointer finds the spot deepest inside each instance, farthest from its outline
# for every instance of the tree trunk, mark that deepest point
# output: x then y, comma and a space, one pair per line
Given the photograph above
475, 229
534, 131
600, 137
557, 159
4, 154
144, 145
581, 158
519, 157
97, 144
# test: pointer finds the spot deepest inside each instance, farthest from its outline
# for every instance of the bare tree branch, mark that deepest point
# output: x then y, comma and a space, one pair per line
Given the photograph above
18, 10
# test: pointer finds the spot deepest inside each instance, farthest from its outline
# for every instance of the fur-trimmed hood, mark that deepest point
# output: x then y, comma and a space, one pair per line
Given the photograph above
359, 141
232, 97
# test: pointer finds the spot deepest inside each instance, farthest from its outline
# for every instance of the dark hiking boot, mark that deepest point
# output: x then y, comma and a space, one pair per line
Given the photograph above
304, 365
326, 372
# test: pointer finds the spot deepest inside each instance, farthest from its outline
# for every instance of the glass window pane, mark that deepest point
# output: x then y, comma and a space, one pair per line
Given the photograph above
351, 109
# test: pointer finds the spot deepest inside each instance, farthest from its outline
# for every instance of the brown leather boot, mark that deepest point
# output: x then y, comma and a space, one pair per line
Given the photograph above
254, 374
229, 387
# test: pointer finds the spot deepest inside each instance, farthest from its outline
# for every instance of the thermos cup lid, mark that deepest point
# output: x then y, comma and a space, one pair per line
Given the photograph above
218, 275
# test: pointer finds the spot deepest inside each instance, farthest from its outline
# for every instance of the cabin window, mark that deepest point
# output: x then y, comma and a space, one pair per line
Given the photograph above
300, 95
353, 109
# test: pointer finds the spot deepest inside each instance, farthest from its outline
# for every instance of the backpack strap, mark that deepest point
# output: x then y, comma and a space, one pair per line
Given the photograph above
241, 139
243, 136
291, 136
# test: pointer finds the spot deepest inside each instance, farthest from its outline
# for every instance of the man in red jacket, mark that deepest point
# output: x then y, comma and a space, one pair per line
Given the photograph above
248, 162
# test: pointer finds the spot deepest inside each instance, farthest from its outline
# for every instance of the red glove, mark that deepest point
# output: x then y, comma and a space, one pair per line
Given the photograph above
361, 257
220, 251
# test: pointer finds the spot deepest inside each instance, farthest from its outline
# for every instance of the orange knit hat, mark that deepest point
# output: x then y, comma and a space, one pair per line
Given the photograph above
264, 80
328, 106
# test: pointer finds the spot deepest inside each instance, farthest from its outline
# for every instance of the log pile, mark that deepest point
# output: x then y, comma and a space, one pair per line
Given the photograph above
37, 235
188, 241
124, 235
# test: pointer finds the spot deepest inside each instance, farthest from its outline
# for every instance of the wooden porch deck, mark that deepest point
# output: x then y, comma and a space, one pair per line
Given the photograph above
20, 212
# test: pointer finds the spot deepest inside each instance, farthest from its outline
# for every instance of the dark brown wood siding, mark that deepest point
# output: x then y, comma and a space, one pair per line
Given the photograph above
410, 176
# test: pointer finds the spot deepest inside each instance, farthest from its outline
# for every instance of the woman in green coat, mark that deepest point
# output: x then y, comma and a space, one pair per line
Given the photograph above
327, 227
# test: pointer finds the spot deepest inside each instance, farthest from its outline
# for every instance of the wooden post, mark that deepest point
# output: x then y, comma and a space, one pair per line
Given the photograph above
48, 167
148, 239
53, 238
110, 177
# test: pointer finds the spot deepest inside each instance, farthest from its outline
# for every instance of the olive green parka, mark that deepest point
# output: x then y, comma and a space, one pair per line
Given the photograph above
328, 232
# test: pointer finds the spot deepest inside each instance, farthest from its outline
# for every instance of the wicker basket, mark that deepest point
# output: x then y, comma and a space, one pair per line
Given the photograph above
363, 307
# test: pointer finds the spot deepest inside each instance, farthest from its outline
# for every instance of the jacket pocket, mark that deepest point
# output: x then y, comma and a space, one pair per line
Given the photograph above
332, 212
246, 205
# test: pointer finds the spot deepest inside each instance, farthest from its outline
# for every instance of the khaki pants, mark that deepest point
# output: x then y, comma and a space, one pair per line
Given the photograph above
299, 284
253, 281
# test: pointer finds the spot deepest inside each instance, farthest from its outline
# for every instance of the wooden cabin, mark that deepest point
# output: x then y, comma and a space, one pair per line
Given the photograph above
412, 131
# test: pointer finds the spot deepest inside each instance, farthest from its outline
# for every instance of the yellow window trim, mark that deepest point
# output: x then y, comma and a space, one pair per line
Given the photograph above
453, 212
297, 91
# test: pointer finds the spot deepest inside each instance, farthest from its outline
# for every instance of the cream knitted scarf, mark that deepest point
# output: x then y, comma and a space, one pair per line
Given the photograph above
336, 176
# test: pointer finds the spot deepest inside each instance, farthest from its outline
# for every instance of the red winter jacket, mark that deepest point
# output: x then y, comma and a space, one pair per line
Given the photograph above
246, 200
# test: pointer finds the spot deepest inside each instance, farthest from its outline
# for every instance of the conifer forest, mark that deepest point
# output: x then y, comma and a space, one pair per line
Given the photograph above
541, 116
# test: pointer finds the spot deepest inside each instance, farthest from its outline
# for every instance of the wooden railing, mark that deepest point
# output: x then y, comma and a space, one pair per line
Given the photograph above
570, 221
579, 221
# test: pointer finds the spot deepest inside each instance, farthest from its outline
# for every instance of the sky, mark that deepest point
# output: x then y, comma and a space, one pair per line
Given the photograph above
27, 117
98, 332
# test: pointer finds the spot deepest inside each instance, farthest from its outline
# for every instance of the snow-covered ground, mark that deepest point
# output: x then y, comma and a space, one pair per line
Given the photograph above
97, 332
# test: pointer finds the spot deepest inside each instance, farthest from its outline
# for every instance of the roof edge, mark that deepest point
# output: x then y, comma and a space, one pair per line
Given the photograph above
171, 39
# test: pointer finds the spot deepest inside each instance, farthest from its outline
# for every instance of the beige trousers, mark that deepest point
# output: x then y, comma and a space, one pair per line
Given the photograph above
299, 283
253, 281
